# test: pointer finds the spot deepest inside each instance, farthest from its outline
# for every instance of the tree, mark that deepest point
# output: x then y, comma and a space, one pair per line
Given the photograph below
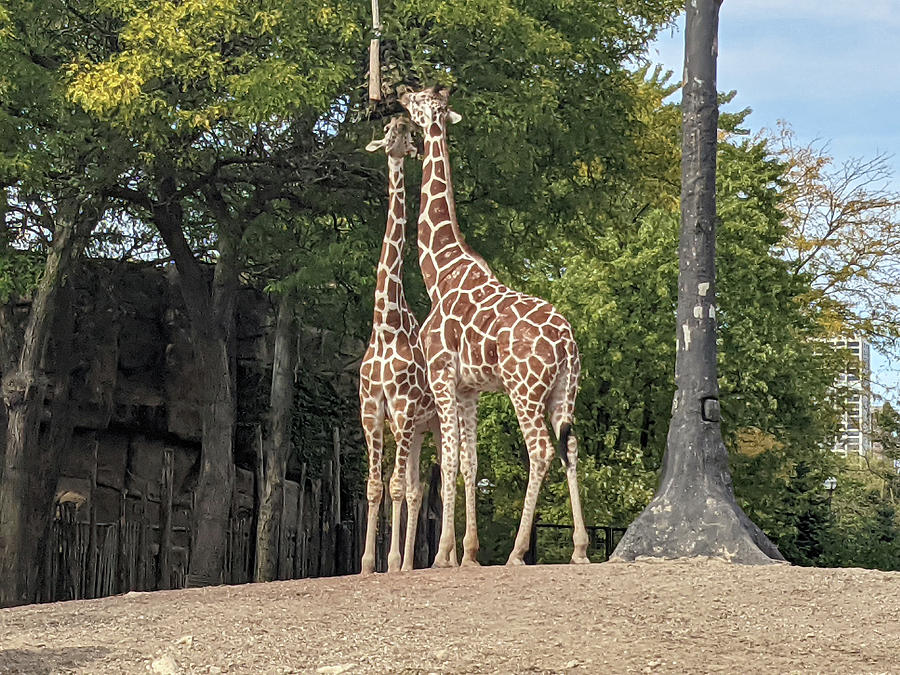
208, 116
694, 511
618, 288
844, 232
276, 443
53, 167
247, 116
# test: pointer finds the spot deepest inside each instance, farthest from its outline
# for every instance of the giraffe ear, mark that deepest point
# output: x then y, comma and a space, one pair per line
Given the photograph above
453, 117
404, 99
375, 145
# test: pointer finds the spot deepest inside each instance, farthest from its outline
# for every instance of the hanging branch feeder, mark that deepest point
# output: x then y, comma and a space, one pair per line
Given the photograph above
374, 56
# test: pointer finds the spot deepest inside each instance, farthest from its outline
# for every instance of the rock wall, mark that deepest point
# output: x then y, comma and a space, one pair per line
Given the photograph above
133, 401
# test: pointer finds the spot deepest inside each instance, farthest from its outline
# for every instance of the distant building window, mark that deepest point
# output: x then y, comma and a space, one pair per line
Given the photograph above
855, 425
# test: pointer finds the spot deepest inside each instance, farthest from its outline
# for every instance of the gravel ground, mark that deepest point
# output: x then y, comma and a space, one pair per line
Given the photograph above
645, 617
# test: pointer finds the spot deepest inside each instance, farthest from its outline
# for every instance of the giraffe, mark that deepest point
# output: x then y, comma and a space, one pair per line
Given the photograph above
392, 376
483, 336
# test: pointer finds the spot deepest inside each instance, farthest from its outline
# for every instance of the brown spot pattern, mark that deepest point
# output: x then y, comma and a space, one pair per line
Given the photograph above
482, 335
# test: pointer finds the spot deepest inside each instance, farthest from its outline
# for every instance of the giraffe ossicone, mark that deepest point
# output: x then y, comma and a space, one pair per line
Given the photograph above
483, 336
392, 377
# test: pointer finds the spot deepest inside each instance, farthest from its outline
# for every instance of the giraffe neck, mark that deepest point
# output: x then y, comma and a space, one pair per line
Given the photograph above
442, 248
389, 298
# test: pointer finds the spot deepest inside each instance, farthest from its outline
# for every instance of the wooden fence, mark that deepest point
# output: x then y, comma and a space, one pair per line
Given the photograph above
142, 553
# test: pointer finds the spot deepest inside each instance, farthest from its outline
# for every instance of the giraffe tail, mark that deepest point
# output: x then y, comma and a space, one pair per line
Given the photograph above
565, 431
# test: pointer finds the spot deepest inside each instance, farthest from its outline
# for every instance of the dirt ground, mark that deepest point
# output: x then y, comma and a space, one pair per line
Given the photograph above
646, 617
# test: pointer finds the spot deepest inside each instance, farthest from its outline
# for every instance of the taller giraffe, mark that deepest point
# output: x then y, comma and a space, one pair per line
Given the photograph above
484, 336
392, 377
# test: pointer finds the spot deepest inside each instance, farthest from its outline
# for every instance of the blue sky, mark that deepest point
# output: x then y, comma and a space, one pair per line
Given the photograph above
830, 68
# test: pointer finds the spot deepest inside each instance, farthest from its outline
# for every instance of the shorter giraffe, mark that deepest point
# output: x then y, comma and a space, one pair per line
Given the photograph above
392, 378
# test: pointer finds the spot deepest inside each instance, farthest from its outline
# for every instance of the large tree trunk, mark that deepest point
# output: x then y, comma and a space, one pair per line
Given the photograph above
55, 437
215, 483
694, 512
23, 486
276, 445
211, 313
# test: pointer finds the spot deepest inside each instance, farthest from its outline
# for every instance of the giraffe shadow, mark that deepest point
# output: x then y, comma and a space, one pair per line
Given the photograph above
47, 660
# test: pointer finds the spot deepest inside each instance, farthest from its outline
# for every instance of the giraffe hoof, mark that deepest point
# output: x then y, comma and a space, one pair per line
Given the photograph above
393, 564
470, 562
368, 567
442, 564
580, 560
406, 568
515, 561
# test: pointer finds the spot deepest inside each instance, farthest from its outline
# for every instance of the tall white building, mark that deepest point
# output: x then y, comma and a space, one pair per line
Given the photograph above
856, 423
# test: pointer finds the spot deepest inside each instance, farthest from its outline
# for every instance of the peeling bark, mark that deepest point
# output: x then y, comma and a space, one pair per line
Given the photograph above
27, 460
276, 445
694, 512
211, 315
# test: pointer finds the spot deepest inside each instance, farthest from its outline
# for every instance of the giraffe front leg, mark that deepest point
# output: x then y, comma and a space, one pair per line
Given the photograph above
373, 427
403, 435
397, 495
443, 385
468, 421
413, 500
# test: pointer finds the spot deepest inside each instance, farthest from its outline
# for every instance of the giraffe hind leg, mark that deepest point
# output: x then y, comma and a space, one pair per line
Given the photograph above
373, 428
468, 457
561, 419
443, 385
540, 453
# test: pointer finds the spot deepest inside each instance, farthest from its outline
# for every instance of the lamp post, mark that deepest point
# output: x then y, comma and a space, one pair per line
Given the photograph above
830, 485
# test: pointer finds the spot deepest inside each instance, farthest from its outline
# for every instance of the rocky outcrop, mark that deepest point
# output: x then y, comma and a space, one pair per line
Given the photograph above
134, 402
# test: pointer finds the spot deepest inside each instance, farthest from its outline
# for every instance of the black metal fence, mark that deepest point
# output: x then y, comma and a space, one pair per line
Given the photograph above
552, 543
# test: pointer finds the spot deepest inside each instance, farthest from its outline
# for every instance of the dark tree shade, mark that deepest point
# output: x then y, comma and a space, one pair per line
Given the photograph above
694, 512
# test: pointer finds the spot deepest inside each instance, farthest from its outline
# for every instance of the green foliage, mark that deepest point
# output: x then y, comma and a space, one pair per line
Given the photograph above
566, 149
188, 67
19, 272
619, 292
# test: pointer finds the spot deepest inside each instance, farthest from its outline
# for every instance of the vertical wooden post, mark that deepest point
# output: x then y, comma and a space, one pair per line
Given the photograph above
259, 482
144, 541
315, 532
336, 495
164, 572
337, 529
50, 550
300, 542
122, 584
91, 590
327, 555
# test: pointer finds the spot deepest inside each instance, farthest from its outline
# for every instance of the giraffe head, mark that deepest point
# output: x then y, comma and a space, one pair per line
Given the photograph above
397, 141
428, 106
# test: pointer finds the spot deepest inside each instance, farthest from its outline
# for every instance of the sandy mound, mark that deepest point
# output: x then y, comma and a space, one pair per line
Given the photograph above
685, 616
